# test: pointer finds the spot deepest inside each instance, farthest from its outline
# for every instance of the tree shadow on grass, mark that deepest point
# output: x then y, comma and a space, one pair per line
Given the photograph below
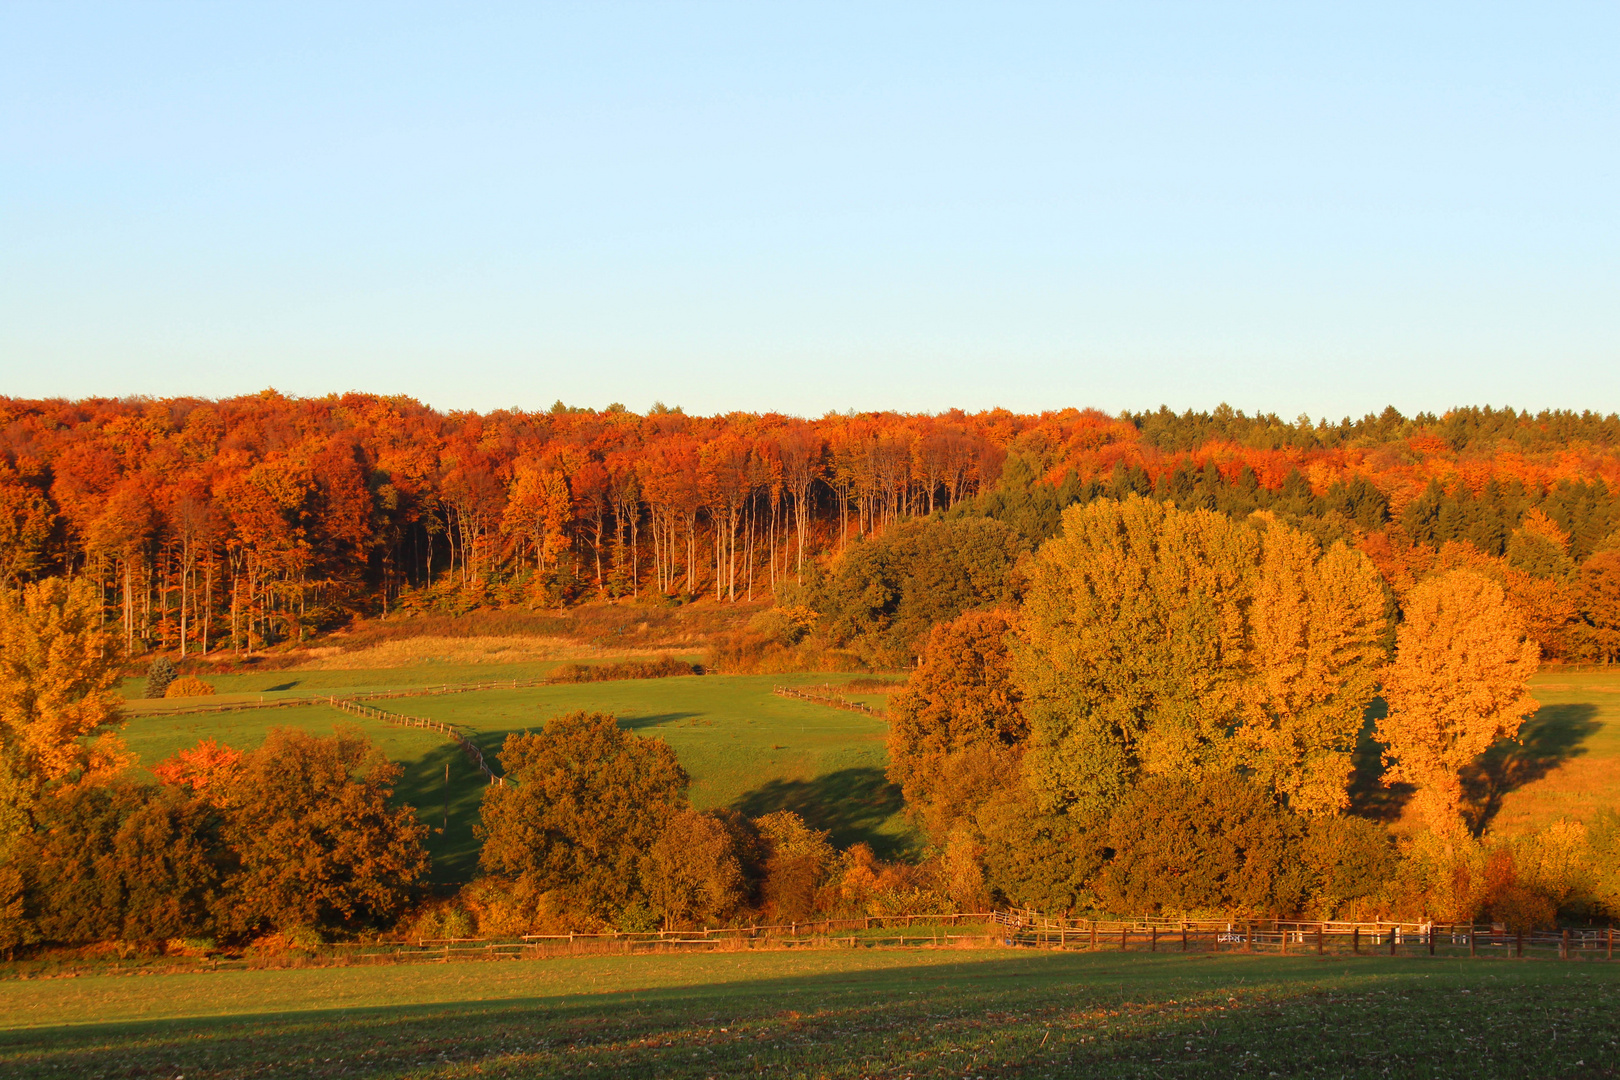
448, 807
636, 723
1552, 736
852, 804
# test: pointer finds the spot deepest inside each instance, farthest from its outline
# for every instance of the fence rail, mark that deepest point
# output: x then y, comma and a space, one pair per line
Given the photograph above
468, 747
990, 928
327, 699
825, 697
1284, 936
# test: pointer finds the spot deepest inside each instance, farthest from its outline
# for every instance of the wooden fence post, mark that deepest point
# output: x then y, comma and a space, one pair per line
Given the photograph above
1393, 932
1563, 945
1153, 941
1431, 939
1184, 937
1611, 943
1355, 940
1122, 932
1094, 935
1318, 939
1471, 937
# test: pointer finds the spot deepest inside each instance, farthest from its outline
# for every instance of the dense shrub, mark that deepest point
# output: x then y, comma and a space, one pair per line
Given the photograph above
1219, 845
663, 667
188, 686
799, 863
1351, 861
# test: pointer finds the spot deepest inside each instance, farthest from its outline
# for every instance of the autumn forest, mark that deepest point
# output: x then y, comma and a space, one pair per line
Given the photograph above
248, 522
1145, 663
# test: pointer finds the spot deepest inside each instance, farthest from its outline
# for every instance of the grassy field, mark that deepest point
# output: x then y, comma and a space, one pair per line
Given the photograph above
743, 746
831, 1013
1566, 762
284, 685
748, 748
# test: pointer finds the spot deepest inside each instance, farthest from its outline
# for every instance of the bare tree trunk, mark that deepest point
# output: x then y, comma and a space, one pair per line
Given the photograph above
208, 601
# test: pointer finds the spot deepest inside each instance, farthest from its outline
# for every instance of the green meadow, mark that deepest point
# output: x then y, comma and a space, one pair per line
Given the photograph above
748, 748
743, 746
830, 1013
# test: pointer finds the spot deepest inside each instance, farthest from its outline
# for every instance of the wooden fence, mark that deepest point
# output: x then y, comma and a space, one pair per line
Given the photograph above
327, 699
1302, 937
468, 747
823, 695
1002, 928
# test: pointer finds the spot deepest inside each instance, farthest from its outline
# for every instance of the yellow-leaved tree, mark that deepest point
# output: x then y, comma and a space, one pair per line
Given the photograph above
1180, 643
1315, 624
1458, 685
57, 671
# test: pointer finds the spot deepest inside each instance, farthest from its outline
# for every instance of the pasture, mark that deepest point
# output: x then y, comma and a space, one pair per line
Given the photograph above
830, 1013
750, 749
743, 746
1566, 762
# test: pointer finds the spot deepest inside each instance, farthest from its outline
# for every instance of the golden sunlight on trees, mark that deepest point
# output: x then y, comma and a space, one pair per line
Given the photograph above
1458, 684
1164, 642
316, 839
692, 872
1315, 624
956, 732
585, 801
57, 671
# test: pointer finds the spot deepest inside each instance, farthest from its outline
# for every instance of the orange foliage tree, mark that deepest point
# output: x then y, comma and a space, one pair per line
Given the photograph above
1457, 685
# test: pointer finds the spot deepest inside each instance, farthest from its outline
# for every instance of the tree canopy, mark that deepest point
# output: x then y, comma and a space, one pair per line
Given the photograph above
1165, 642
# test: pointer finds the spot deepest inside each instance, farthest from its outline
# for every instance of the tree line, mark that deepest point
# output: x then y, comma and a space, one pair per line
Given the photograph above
250, 521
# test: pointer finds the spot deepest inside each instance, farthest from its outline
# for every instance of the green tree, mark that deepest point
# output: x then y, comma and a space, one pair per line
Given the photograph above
119, 860
159, 676
1131, 654
317, 841
885, 593
583, 803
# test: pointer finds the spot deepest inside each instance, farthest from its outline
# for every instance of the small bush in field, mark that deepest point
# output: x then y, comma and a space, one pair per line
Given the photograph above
188, 686
661, 668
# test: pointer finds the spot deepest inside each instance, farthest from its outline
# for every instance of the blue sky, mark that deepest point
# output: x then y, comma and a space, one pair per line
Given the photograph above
1292, 208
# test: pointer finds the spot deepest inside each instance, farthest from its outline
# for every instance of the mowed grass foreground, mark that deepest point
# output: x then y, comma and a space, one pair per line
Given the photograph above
831, 1013
744, 747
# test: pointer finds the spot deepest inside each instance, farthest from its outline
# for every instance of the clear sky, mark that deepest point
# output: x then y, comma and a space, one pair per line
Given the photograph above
803, 207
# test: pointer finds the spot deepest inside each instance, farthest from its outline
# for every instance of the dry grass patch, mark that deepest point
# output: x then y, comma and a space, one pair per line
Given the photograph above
409, 652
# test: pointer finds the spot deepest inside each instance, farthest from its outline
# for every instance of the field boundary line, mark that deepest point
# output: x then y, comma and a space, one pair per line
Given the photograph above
468, 747
828, 698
